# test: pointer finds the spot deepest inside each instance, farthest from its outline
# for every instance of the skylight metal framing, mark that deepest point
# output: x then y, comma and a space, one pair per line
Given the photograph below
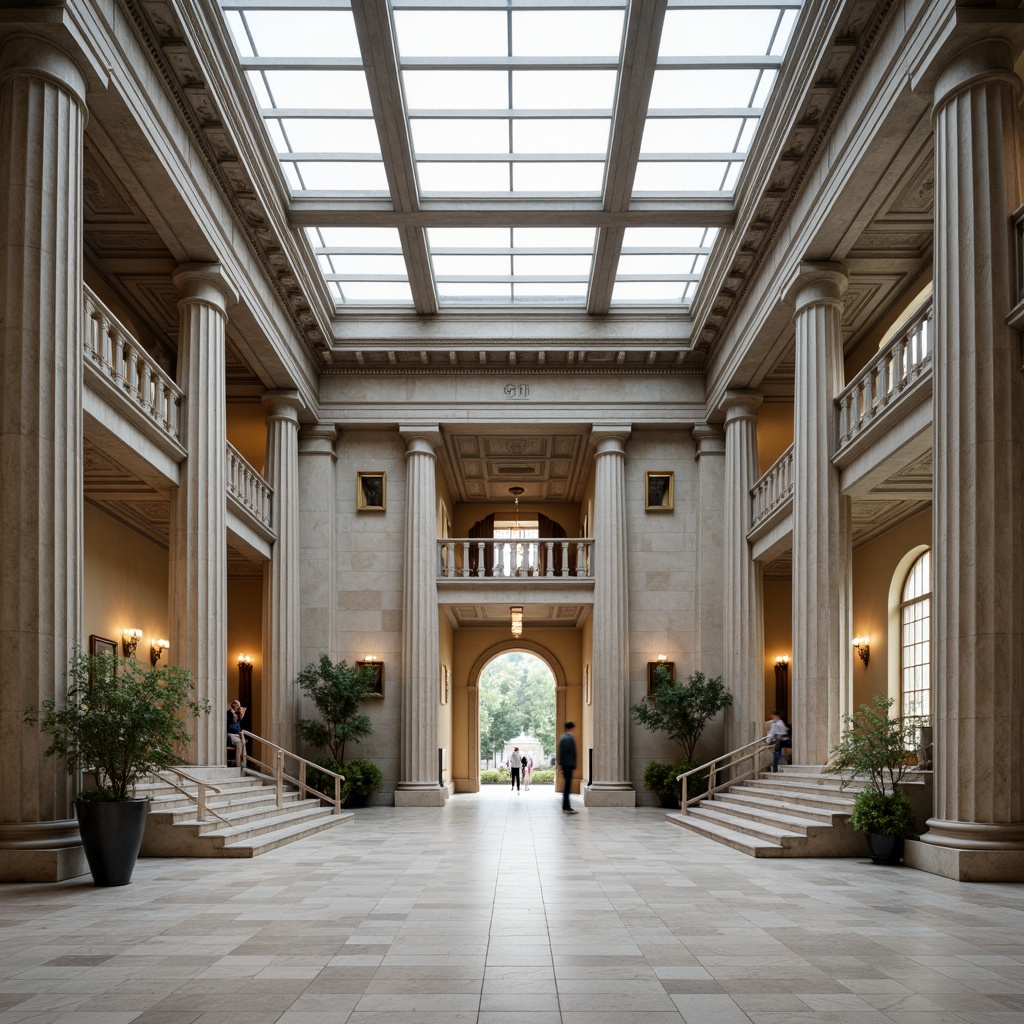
616, 204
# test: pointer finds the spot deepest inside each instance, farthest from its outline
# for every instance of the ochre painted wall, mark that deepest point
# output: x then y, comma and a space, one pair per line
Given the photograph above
245, 636
778, 633
774, 432
247, 431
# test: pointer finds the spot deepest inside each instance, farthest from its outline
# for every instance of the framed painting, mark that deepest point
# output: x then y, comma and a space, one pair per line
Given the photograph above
377, 685
660, 492
371, 492
652, 674
101, 645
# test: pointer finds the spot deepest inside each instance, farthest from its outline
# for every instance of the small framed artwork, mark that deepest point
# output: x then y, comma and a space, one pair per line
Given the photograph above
588, 697
101, 645
652, 674
377, 685
660, 492
371, 492
443, 694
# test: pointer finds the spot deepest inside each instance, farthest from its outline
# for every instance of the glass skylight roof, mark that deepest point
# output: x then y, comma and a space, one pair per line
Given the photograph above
462, 109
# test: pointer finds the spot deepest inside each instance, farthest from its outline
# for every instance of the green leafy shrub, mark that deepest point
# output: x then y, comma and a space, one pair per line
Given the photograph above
661, 778
882, 814
337, 691
492, 776
682, 710
120, 720
362, 776
542, 777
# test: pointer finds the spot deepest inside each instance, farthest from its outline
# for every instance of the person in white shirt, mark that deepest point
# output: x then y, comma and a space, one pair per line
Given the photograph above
527, 771
515, 765
778, 734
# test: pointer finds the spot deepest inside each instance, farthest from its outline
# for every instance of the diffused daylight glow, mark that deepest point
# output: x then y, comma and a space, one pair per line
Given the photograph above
511, 110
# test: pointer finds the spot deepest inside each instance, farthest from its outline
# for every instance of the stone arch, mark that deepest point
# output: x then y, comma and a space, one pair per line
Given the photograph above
495, 650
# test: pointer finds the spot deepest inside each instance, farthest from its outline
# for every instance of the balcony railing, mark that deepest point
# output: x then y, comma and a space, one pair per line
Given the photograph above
774, 488
247, 487
501, 558
117, 357
906, 358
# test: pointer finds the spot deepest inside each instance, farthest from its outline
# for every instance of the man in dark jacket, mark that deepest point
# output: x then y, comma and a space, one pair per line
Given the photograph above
567, 762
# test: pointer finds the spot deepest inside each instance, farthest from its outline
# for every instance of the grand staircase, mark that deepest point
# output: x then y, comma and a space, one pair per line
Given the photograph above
230, 812
797, 812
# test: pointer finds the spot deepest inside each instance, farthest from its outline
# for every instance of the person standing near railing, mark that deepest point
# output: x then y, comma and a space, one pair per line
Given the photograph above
778, 735
235, 715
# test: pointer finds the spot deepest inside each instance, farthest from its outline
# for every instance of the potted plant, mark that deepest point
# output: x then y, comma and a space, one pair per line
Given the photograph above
121, 722
874, 748
337, 691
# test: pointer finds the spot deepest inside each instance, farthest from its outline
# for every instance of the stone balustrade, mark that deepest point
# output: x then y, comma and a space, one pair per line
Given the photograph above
117, 357
248, 487
501, 558
774, 488
905, 359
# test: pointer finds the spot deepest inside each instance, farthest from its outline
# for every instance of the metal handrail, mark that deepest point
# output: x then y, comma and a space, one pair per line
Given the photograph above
200, 801
277, 773
715, 765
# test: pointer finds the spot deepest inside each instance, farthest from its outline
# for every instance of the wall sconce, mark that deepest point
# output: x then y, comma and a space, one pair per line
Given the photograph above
862, 647
245, 659
129, 641
781, 660
156, 651
663, 657
517, 622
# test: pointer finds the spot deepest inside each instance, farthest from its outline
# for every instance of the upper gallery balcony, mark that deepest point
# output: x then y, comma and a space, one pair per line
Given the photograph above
533, 559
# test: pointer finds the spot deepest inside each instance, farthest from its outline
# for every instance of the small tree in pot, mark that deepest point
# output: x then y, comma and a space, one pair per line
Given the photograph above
120, 721
874, 746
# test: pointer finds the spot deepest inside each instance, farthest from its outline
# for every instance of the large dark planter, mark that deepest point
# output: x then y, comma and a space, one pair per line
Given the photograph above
670, 801
355, 800
112, 836
884, 849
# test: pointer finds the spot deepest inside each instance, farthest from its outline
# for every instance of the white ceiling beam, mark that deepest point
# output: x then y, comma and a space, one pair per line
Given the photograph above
644, 21
377, 45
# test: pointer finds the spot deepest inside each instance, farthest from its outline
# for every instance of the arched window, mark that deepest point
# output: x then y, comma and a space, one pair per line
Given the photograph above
916, 647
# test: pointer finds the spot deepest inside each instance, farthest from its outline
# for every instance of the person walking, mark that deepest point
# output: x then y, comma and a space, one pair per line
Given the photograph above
528, 771
778, 736
567, 762
515, 766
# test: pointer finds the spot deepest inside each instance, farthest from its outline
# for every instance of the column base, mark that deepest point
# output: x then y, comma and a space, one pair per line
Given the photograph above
41, 851
965, 865
412, 794
609, 794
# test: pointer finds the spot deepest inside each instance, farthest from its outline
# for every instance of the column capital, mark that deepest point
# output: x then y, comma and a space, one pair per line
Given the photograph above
611, 437
283, 405
817, 284
710, 440
205, 282
421, 439
984, 61
40, 58
318, 439
740, 405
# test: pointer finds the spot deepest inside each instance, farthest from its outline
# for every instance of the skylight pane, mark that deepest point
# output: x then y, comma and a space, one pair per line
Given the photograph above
472, 266
455, 90
377, 292
554, 238
473, 238
560, 135
652, 253
299, 33
489, 293
662, 292
562, 90
362, 265
717, 33
462, 179
660, 177
657, 264
331, 135
535, 265
715, 88
563, 291
557, 177
692, 134
361, 238
338, 176
456, 33
462, 135
676, 238
567, 33
330, 88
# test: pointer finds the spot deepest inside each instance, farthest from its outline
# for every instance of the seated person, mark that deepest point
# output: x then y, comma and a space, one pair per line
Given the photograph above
235, 715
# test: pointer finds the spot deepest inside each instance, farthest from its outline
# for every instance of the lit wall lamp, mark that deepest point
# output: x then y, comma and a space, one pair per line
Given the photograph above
129, 641
663, 657
244, 659
862, 647
156, 650
781, 660
517, 622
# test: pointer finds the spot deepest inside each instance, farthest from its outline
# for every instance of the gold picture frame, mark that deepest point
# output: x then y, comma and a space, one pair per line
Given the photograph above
588, 696
443, 694
652, 679
660, 493
371, 491
377, 685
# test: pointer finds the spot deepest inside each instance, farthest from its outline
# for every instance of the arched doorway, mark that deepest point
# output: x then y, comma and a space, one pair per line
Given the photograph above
491, 655
517, 706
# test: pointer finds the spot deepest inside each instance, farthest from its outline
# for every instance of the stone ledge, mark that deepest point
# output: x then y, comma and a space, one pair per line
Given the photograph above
965, 865
43, 865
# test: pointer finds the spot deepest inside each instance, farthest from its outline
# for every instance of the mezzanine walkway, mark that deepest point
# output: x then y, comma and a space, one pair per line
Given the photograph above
498, 909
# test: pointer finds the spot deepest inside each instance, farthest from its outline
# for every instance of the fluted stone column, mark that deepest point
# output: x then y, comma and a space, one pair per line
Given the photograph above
418, 785
821, 520
710, 456
977, 832
610, 666
42, 117
278, 693
317, 459
744, 618
198, 531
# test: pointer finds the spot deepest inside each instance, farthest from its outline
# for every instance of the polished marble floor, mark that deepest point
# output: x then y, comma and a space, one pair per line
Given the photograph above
498, 909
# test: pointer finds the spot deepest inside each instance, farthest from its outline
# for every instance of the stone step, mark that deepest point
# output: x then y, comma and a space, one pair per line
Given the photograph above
275, 819
260, 804
740, 841
272, 840
759, 829
824, 802
759, 808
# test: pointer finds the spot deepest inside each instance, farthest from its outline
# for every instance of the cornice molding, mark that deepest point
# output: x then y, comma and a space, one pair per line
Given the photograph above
506, 371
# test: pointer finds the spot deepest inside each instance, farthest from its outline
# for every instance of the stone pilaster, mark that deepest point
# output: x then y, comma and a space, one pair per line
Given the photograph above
710, 534
42, 117
610, 666
419, 786
821, 519
317, 459
977, 832
278, 694
198, 532
743, 613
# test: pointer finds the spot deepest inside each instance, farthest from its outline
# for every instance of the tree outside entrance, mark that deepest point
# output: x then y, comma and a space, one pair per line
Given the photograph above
517, 696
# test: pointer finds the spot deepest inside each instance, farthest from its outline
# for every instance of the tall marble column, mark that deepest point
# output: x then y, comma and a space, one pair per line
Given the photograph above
710, 456
317, 459
418, 785
198, 531
610, 665
42, 117
278, 694
743, 612
821, 519
977, 832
